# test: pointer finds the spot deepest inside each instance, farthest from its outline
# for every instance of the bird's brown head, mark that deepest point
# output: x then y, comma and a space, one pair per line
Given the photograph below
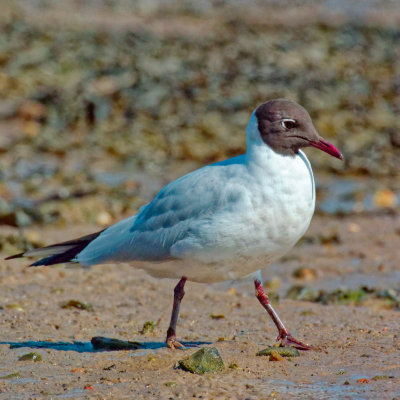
286, 127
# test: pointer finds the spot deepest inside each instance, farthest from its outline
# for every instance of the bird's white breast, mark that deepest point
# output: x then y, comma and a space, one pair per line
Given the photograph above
271, 202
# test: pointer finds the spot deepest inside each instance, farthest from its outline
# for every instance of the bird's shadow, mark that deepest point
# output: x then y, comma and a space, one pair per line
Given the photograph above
97, 344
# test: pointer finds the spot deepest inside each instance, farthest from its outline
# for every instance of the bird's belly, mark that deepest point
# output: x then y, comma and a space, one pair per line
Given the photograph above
195, 271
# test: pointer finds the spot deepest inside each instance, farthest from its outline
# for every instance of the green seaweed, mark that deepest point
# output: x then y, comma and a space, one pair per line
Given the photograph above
345, 296
283, 351
14, 375
103, 343
299, 292
382, 377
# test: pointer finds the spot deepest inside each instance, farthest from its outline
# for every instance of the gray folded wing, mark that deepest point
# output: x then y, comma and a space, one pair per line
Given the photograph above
181, 211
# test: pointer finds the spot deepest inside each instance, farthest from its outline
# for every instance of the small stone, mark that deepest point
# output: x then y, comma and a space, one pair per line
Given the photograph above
15, 307
305, 273
170, 384
148, 327
385, 198
32, 110
34, 238
353, 228
207, 359
341, 372
104, 218
273, 284
31, 128
307, 312
332, 236
395, 138
83, 370
282, 351
36, 357
273, 297
77, 304
217, 316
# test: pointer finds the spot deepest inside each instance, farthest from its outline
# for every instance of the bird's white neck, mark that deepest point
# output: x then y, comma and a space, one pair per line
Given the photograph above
263, 161
258, 152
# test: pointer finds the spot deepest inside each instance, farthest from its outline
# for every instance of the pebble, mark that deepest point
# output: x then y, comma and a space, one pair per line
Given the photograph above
207, 359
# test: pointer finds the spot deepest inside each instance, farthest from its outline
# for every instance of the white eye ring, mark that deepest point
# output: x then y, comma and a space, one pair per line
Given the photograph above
288, 123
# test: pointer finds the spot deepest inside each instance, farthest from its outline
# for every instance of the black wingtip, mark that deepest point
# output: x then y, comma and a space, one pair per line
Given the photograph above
72, 248
43, 261
19, 255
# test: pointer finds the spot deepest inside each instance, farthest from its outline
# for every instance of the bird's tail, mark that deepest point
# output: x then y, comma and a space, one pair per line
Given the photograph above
58, 253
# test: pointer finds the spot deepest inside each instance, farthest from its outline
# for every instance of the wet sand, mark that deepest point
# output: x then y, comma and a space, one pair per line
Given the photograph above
91, 127
353, 344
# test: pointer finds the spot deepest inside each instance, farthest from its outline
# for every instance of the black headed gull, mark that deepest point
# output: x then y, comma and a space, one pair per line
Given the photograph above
222, 221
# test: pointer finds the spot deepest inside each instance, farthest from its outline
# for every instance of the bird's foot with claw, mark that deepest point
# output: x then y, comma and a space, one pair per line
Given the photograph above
172, 343
286, 339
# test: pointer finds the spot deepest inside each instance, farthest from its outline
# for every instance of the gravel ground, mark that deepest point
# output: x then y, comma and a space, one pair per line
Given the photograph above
355, 345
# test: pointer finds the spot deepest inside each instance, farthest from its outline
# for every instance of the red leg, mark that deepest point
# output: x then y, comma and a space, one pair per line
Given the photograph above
171, 333
284, 336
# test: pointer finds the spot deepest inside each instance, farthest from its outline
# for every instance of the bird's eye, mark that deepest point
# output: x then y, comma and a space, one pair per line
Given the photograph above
288, 123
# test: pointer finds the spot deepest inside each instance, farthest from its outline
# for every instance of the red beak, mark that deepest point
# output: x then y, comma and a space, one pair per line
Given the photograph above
327, 147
